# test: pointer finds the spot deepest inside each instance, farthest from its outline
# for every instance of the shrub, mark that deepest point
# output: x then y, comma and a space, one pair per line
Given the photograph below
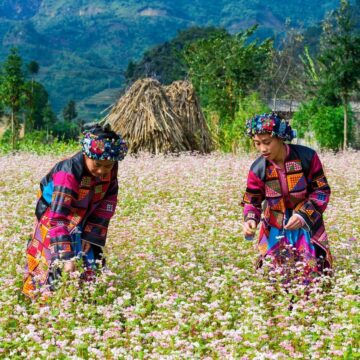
66, 130
231, 134
325, 122
39, 142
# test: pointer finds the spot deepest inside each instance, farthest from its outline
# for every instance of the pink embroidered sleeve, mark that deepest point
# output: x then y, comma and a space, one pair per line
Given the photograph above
253, 197
61, 213
312, 208
95, 229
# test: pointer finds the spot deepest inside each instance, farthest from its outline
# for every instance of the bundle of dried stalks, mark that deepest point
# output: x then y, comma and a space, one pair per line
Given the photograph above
186, 105
145, 119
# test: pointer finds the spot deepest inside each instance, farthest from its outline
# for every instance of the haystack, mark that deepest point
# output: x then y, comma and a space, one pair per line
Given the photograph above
146, 120
186, 105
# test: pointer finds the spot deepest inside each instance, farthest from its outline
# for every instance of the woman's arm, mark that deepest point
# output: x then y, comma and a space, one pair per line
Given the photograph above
61, 213
253, 197
311, 209
95, 229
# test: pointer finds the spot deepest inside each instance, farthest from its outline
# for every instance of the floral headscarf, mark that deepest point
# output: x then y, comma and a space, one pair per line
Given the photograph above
270, 124
103, 144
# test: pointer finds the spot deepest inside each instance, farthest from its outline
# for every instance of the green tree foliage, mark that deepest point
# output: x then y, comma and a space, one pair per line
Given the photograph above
313, 33
33, 67
328, 128
49, 117
339, 61
31, 99
69, 112
21, 97
322, 123
231, 137
39, 142
302, 118
166, 61
2, 110
332, 78
36, 100
12, 90
68, 128
225, 68
310, 70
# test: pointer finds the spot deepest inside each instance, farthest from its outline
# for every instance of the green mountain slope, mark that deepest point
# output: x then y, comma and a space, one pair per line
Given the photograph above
83, 47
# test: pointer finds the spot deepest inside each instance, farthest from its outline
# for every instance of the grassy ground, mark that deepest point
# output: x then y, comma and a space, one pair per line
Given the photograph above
180, 281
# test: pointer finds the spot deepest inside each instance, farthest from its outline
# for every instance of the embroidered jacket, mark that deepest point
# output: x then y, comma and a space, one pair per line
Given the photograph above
309, 191
68, 198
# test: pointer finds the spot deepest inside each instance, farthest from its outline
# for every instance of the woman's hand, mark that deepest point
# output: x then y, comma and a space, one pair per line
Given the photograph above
249, 228
85, 246
69, 266
294, 223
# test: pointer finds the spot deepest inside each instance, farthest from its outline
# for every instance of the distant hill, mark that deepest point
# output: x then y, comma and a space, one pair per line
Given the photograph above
95, 106
83, 47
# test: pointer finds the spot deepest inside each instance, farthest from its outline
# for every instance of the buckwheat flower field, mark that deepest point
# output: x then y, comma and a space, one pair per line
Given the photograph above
180, 281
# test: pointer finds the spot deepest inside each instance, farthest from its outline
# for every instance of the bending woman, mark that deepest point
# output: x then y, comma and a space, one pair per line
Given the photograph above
291, 180
76, 201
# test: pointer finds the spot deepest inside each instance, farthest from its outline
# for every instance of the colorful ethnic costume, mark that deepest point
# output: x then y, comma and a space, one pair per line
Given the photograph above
300, 188
72, 206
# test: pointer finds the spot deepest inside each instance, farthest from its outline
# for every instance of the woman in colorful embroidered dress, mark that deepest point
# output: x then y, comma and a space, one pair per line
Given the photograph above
287, 182
76, 201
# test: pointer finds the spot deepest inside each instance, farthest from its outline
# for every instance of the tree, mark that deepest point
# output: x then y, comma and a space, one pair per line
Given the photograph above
36, 100
67, 129
232, 133
285, 75
12, 90
225, 68
322, 123
49, 118
33, 68
1, 107
69, 111
339, 60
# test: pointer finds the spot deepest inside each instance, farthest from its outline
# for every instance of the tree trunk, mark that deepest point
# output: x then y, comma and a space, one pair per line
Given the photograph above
31, 115
13, 129
345, 123
274, 102
24, 121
